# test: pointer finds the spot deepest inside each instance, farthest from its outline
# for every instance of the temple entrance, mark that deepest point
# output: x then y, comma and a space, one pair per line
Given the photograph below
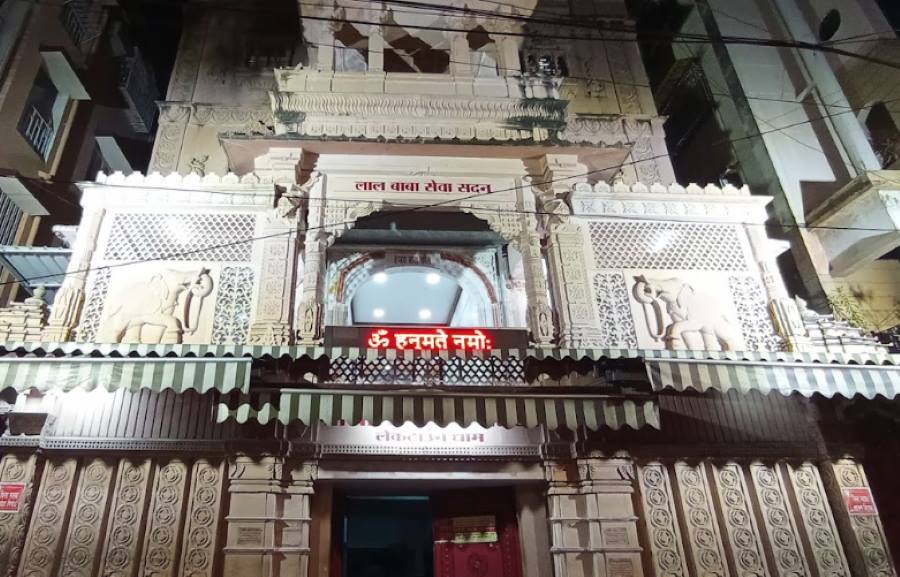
457, 533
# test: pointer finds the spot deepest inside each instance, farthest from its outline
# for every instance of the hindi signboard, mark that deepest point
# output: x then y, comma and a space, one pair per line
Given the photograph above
11, 495
859, 502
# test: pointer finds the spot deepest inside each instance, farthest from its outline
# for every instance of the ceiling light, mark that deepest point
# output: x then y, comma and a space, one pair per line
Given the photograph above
378, 313
380, 277
424, 314
432, 278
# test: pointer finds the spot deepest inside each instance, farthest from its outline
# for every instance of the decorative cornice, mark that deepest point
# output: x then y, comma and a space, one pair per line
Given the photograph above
251, 189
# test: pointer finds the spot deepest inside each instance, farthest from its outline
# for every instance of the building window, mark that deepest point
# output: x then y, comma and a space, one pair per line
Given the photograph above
544, 64
482, 53
883, 134
43, 113
351, 50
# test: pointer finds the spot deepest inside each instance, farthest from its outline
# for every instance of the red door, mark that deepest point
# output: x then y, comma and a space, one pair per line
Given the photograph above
475, 534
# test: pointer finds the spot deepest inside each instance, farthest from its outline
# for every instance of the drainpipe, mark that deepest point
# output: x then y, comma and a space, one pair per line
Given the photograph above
846, 125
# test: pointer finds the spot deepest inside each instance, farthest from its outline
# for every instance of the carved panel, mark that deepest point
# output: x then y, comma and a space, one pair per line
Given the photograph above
662, 525
749, 299
88, 519
708, 556
13, 526
165, 518
616, 323
666, 246
817, 521
92, 313
778, 522
45, 536
870, 538
176, 236
169, 138
231, 320
740, 531
201, 524
126, 517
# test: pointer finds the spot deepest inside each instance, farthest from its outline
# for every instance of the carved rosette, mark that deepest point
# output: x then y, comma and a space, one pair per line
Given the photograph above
740, 529
871, 549
165, 518
662, 525
201, 525
13, 526
817, 521
88, 519
120, 556
703, 533
50, 512
778, 521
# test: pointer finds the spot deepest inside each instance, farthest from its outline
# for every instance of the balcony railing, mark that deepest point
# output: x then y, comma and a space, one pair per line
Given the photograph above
38, 132
75, 21
138, 88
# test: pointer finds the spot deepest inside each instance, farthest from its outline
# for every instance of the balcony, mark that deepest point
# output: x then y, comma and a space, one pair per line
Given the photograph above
75, 21
138, 87
38, 131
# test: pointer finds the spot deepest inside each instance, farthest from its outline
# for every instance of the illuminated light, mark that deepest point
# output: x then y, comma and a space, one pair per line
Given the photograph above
380, 277
424, 314
430, 339
432, 278
378, 313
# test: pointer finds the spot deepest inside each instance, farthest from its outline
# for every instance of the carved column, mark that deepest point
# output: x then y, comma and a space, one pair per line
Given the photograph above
861, 530
460, 63
43, 544
14, 525
312, 306
272, 324
376, 49
783, 310
67, 305
593, 530
269, 517
173, 122
539, 314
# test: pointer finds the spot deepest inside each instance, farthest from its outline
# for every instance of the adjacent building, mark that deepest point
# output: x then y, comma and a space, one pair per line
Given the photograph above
414, 290
76, 97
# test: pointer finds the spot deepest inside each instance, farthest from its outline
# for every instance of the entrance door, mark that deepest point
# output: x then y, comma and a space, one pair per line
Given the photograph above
475, 534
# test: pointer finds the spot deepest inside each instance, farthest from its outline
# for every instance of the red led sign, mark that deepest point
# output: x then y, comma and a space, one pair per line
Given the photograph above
430, 339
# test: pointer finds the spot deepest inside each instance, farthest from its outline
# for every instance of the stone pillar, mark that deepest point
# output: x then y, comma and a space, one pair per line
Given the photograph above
325, 50
173, 123
269, 514
14, 525
67, 305
460, 59
534, 533
376, 49
593, 526
272, 324
507, 55
312, 306
783, 310
539, 314
861, 530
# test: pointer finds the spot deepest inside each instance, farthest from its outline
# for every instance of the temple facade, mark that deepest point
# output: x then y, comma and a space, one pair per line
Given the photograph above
412, 291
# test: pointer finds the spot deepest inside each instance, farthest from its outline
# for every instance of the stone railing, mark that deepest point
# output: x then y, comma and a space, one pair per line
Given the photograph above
829, 334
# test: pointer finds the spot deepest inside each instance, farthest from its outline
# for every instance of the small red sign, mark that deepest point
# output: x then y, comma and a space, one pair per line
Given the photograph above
430, 339
859, 502
11, 497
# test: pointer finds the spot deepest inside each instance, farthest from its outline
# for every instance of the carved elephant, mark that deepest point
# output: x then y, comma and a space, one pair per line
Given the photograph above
690, 313
160, 310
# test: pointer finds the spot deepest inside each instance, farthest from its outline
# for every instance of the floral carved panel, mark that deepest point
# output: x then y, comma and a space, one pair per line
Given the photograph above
165, 518
817, 521
703, 536
779, 526
749, 300
120, 556
613, 307
13, 525
231, 320
201, 524
85, 532
45, 536
662, 524
741, 534
92, 313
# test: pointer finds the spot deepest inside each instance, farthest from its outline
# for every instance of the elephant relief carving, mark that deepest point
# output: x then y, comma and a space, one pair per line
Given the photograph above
682, 317
160, 310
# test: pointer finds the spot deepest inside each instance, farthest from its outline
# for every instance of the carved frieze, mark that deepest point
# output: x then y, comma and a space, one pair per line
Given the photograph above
662, 524
45, 536
703, 536
126, 518
87, 523
817, 521
165, 517
778, 522
739, 523
201, 523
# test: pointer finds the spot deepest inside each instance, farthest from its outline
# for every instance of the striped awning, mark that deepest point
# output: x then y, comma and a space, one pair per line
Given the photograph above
334, 407
786, 378
315, 352
65, 374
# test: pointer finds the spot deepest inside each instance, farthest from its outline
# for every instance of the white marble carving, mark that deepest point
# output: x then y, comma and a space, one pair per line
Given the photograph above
680, 316
662, 524
616, 322
749, 299
93, 310
231, 320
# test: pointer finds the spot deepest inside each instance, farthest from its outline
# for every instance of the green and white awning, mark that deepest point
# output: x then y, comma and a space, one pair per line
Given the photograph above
804, 378
65, 374
334, 407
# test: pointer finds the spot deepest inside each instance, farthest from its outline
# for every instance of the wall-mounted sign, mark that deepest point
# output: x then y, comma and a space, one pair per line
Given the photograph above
427, 186
11, 495
859, 502
478, 529
408, 439
430, 339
